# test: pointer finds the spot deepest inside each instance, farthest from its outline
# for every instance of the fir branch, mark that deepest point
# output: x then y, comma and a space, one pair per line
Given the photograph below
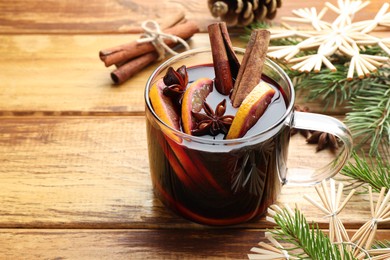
381, 244
369, 118
373, 170
257, 25
311, 242
380, 249
253, 26
331, 87
265, 25
367, 98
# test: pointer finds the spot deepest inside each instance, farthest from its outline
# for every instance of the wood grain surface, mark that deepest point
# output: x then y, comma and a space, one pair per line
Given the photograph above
62, 75
98, 16
112, 16
131, 244
74, 170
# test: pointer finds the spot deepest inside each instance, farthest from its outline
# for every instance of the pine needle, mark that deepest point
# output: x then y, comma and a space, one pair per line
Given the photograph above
331, 87
265, 25
308, 242
369, 118
367, 98
372, 170
381, 244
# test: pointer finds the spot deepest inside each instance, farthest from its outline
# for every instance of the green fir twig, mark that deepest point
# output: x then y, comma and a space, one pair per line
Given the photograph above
308, 242
381, 244
333, 87
265, 25
374, 171
368, 99
369, 118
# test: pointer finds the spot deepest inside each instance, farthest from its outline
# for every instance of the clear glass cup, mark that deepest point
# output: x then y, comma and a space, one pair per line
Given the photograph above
225, 182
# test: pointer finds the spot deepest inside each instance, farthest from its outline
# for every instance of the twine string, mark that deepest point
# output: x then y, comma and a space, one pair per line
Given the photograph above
285, 254
153, 34
374, 222
332, 214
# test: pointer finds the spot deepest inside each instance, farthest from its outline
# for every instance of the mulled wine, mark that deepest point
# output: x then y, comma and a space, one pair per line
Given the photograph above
220, 186
199, 168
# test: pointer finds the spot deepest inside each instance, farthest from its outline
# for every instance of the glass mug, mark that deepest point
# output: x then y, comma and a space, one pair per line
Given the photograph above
225, 182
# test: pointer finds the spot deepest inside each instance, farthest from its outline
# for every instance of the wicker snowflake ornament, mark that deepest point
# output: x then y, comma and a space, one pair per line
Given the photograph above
360, 246
343, 37
243, 12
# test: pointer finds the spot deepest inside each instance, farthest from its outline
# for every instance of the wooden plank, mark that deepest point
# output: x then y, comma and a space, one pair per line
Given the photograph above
62, 75
93, 172
125, 244
134, 244
109, 16
100, 16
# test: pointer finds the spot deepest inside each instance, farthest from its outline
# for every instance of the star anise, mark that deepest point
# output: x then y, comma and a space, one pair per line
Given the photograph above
323, 141
175, 82
211, 122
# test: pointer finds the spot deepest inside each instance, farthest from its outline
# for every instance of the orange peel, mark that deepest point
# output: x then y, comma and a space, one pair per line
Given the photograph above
163, 105
251, 109
193, 100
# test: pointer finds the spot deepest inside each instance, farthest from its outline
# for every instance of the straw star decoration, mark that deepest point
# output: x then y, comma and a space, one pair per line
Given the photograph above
292, 225
275, 251
343, 36
332, 207
270, 252
380, 213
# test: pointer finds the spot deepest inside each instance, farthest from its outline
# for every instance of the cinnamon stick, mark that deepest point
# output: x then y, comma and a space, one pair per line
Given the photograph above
225, 61
129, 69
125, 52
251, 68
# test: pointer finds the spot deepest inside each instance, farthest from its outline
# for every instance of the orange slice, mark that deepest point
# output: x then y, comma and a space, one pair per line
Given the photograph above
193, 100
163, 105
251, 109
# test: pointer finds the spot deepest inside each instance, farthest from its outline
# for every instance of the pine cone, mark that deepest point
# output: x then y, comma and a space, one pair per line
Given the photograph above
244, 12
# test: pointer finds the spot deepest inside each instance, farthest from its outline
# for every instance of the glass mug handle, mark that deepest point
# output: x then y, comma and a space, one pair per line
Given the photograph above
323, 123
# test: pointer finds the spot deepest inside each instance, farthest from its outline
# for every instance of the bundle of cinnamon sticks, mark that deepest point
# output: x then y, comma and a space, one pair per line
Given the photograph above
247, 74
132, 57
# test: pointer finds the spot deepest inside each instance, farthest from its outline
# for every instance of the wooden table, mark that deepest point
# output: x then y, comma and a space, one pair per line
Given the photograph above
74, 173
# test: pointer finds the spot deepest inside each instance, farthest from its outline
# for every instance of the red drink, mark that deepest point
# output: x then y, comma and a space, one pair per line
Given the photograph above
218, 181
219, 187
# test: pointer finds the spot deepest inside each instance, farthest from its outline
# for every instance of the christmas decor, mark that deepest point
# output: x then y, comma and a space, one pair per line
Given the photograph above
369, 117
244, 12
267, 251
342, 36
366, 99
130, 58
341, 63
309, 242
374, 171
380, 213
332, 207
